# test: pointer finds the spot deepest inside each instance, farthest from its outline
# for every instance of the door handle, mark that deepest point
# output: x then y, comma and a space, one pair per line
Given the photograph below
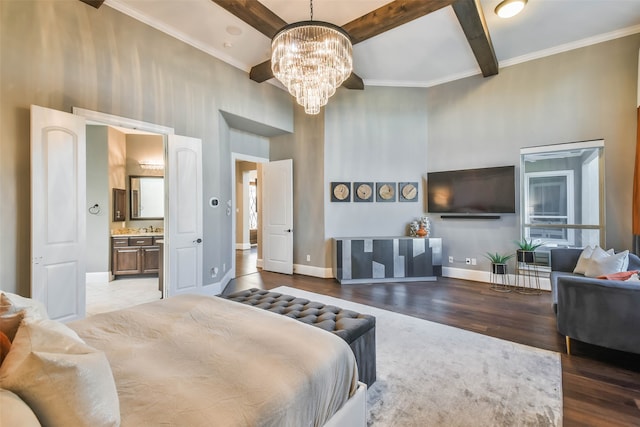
288, 230
198, 240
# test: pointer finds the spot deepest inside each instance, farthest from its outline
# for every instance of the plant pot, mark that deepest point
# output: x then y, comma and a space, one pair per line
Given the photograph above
499, 268
528, 257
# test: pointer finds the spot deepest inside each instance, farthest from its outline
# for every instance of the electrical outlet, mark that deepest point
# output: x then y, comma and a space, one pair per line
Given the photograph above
308, 257
474, 261
450, 260
467, 261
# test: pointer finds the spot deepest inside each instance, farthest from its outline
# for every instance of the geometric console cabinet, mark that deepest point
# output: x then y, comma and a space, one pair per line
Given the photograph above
386, 259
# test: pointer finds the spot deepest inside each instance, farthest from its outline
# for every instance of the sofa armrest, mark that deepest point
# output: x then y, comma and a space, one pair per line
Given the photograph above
599, 312
564, 259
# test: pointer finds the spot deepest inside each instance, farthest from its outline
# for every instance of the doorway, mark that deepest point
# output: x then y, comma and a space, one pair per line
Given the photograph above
247, 217
125, 179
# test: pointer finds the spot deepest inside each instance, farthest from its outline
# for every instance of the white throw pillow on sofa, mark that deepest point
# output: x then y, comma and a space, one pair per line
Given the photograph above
583, 261
63, 380
601, 265
587, 255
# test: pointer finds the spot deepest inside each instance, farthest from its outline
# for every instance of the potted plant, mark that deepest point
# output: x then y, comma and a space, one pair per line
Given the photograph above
498, 262
526, 250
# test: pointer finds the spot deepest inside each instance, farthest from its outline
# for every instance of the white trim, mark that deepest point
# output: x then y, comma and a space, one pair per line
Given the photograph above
98, 277
517, 60
243, 246
234, 158
485, 276
310, 270
216, 288
600, 38
259, 263
595, 143
113, 120
127, 10
569, 188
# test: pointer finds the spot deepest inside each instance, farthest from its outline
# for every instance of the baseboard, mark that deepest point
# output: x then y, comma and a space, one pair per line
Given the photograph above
243, 246
485, 276
99, 277
259, 263
216, 288
310, 270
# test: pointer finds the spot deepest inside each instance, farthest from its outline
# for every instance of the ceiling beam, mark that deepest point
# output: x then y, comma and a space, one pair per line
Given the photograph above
471, 17
389, 16
94, 3
354, 82
255, 14
261, 72
370, 25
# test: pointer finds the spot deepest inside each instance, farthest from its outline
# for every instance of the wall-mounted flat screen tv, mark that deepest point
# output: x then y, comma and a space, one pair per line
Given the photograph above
472, 191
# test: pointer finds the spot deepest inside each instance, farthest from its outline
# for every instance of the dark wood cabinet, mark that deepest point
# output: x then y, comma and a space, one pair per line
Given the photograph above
119, 204
135, 255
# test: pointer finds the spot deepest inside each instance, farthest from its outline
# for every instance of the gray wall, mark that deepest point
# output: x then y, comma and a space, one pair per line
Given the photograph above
584, 94
306, 148
379, 134
65, 53
98, 193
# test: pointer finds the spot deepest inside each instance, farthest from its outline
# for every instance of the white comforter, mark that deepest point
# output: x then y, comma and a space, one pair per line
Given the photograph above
205, 361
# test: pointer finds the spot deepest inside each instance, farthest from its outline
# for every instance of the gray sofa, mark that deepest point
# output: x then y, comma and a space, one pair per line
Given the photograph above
596, 311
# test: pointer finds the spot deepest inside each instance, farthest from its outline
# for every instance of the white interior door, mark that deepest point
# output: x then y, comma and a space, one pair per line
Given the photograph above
184, 222
277, 216
58, 221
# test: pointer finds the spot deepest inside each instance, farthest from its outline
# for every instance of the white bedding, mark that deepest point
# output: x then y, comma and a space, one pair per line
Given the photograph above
205, 361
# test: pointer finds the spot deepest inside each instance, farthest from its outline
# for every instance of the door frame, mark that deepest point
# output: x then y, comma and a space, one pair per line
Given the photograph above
99, 118
234, 158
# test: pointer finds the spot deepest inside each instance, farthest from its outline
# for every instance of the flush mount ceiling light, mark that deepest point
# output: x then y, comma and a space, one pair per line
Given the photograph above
312, 59
509, 8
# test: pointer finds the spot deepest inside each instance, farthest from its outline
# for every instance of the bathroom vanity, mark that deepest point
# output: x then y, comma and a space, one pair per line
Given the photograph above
135, 254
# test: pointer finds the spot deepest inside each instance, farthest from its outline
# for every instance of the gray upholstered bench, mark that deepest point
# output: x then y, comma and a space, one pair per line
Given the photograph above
358, 330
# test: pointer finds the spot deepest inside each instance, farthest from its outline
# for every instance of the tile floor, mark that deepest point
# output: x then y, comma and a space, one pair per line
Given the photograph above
121, 293
127, 292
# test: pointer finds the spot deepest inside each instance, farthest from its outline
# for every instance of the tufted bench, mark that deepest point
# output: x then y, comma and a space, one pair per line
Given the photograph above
358, 330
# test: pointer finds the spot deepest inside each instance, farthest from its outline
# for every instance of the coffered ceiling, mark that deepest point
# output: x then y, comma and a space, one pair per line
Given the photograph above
426, 51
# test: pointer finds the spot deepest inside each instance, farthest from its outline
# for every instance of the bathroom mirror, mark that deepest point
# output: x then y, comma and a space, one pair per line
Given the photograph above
146, 197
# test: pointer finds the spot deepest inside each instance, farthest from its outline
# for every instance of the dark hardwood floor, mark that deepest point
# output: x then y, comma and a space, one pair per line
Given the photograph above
601, 387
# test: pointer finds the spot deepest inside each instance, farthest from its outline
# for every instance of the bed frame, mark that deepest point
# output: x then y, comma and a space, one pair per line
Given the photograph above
354, 412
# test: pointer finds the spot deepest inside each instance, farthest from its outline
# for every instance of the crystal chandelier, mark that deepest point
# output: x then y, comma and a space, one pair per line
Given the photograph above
312, 59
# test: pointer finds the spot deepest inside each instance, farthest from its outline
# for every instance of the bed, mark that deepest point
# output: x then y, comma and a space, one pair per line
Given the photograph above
200, 361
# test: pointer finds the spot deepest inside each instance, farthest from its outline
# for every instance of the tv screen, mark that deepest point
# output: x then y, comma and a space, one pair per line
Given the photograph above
472, 191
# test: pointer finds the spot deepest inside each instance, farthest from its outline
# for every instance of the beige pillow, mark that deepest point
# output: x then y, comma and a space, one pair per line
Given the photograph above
63, 380
607, 264
9, 323
32, 308
14, 412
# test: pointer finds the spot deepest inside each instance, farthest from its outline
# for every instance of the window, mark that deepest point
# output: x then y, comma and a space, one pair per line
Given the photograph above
253, 205
563, 193
550, 200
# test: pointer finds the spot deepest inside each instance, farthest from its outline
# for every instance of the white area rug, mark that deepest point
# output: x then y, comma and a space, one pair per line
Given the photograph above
430, 374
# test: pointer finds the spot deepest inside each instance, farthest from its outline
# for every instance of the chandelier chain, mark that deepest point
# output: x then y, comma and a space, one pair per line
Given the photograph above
311, 8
